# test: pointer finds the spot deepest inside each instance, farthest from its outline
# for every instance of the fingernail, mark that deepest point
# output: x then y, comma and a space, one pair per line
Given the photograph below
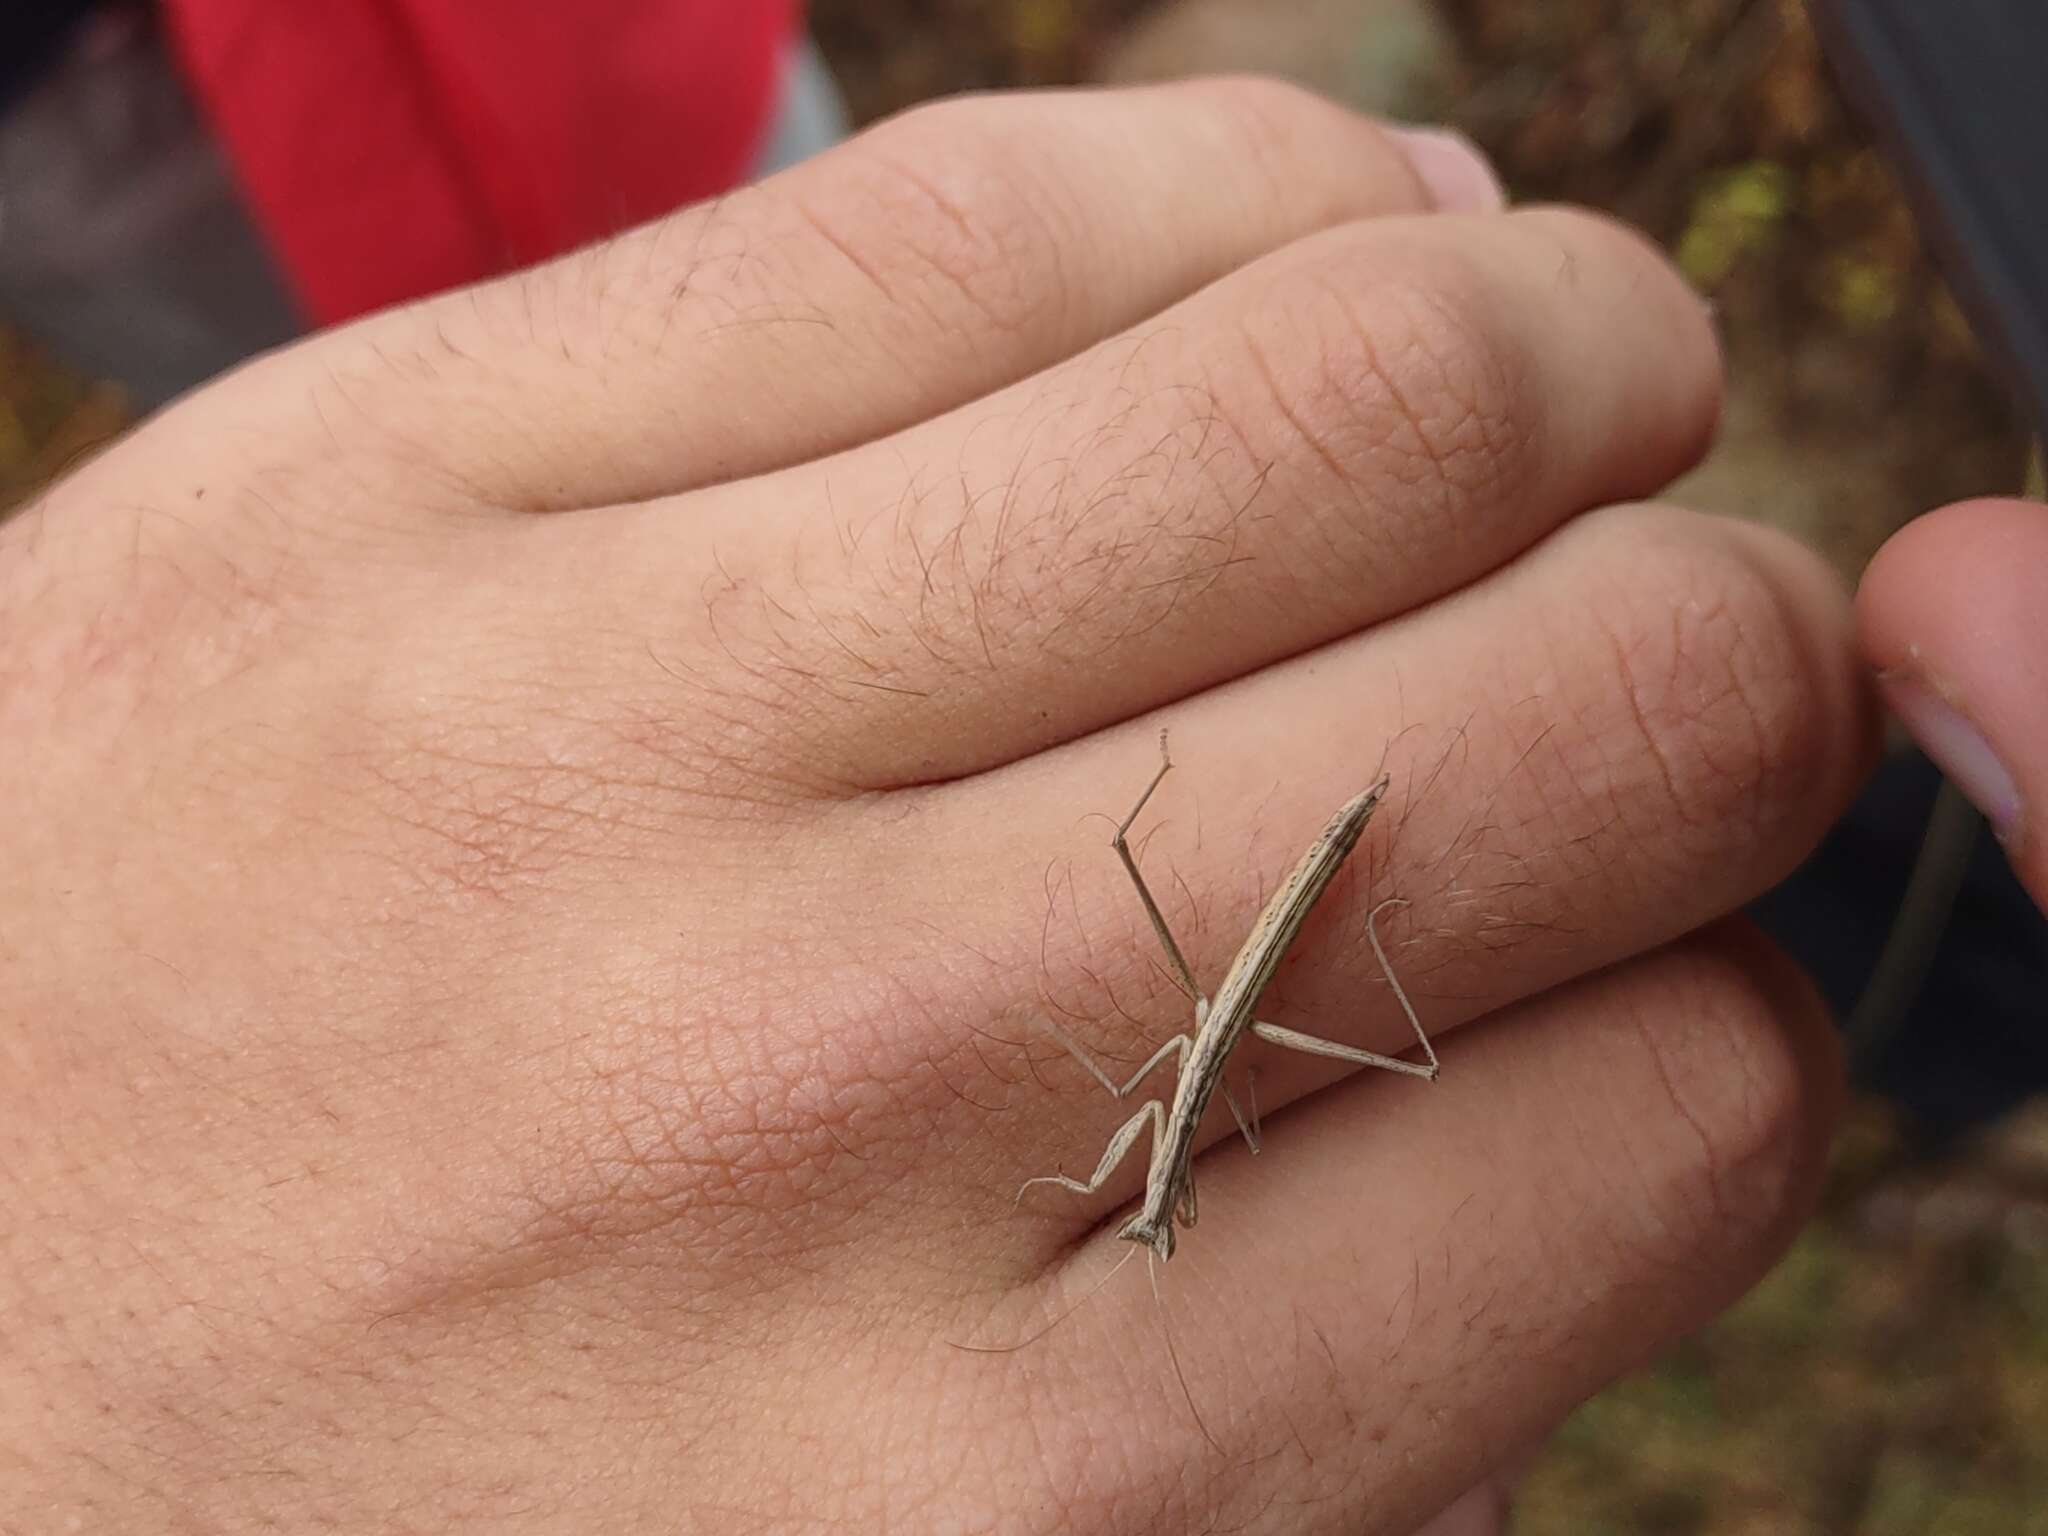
1458, 177
1959, 749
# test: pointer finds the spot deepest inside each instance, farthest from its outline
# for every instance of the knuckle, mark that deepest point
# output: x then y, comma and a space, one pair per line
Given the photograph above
511, 790
1275, 121
1269, 128
477, 826
1742, 1096
1573, 231
1407, 389
1586, 244
943, 209
364, 420
749, 1140
1058, 553
177, 606
947, 206
1715, 721
1604, 266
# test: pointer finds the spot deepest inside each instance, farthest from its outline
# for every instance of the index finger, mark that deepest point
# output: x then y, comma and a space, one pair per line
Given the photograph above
934, 258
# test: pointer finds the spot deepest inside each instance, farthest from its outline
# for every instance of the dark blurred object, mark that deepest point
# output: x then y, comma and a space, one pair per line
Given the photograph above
1953, 1025
1975, 1041
1956, 90
31, 33
123, 243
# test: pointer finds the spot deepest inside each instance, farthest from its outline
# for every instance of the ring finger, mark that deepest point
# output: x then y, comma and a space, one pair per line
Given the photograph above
1669, 730
1423, 1280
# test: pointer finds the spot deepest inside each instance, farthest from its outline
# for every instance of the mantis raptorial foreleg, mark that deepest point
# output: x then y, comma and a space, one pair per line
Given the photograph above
1247, 1129
1119, 1146
1179, 1043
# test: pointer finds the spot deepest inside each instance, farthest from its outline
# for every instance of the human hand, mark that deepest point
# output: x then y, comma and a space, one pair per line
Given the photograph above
1954, 616
541, 824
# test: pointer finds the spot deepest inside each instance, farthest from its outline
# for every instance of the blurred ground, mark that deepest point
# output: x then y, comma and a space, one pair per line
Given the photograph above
1891, 1377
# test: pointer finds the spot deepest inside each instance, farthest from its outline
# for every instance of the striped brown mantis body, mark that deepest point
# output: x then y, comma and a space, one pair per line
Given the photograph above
1223, 1020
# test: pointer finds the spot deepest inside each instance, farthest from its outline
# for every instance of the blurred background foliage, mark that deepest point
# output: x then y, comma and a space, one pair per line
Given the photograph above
1891, 1377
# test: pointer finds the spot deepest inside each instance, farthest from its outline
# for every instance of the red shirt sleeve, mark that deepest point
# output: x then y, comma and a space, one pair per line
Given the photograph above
391, 148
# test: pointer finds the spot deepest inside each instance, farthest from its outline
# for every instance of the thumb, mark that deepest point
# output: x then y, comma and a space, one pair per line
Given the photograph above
1953, 615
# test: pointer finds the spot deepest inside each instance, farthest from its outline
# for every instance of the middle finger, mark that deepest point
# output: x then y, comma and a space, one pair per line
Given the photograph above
1335, 434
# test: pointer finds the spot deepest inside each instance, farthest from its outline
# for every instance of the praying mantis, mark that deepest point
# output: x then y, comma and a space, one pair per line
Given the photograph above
1222, 1021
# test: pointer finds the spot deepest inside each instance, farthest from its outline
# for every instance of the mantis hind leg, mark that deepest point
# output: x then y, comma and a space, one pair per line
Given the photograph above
1310, 1045
1249, 1129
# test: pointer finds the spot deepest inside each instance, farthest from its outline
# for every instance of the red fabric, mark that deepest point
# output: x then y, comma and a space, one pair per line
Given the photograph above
390, 148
